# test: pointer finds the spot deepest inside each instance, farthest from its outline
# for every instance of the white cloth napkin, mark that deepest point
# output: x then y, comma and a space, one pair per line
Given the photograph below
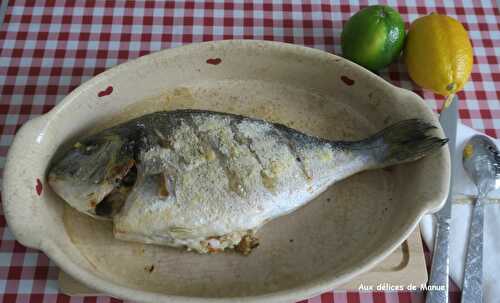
460, 222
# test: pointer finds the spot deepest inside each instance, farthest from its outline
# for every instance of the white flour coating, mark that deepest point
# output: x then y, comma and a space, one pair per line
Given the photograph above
224, 180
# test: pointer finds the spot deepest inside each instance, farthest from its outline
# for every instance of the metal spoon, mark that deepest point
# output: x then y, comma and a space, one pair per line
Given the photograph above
481, 161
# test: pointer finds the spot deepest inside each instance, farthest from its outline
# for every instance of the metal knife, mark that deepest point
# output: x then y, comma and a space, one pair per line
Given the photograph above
437, 291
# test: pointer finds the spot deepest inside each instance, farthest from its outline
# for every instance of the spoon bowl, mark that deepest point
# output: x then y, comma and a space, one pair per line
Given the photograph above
482, 163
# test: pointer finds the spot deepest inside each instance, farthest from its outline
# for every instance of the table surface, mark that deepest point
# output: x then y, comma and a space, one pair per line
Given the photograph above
47, 48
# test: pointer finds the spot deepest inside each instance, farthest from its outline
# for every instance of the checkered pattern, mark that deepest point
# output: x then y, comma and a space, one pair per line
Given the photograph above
47, 48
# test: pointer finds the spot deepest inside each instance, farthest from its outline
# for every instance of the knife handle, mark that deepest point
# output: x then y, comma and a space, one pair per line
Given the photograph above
473, 274
437, 290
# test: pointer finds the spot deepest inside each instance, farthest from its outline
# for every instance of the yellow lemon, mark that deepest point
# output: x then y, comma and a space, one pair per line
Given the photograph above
438, 54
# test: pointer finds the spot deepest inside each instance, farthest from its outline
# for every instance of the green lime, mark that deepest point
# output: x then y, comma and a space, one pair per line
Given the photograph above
373, 37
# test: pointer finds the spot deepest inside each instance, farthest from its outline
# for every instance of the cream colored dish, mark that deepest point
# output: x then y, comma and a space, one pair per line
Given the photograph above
343, 232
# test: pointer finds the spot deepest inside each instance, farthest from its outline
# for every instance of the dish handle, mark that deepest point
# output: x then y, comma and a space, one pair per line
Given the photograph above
24, 192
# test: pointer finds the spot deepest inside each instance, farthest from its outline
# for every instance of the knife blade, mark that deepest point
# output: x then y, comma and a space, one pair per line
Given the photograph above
437, 291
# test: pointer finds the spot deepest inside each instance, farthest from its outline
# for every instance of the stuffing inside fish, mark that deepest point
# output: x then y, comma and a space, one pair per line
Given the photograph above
207, 181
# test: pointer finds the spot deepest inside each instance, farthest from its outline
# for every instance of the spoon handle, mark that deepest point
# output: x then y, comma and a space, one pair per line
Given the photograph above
473, 275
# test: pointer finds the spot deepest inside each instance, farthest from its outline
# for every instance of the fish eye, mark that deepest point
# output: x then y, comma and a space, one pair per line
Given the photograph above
88, 148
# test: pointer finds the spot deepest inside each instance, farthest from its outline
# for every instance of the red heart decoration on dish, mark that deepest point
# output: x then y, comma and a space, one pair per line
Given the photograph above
105, 92
347, 80
214, 61
38, 187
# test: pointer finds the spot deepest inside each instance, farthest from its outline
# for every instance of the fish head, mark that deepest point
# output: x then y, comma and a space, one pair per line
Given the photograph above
91, 169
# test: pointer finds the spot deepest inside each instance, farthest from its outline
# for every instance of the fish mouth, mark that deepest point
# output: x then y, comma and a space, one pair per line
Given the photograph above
113, 202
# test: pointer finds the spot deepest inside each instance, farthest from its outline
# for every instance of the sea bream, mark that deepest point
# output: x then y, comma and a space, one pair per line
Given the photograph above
207, 181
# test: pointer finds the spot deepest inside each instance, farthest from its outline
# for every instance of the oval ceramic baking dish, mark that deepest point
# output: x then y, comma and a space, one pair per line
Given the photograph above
343, 232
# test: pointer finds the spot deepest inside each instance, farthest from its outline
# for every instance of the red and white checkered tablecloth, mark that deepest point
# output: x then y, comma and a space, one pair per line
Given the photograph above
47, 48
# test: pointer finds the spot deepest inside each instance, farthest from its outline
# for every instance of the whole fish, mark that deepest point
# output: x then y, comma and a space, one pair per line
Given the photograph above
207, 181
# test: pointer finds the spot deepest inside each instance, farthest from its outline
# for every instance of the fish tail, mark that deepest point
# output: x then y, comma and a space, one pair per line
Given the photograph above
404, 141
